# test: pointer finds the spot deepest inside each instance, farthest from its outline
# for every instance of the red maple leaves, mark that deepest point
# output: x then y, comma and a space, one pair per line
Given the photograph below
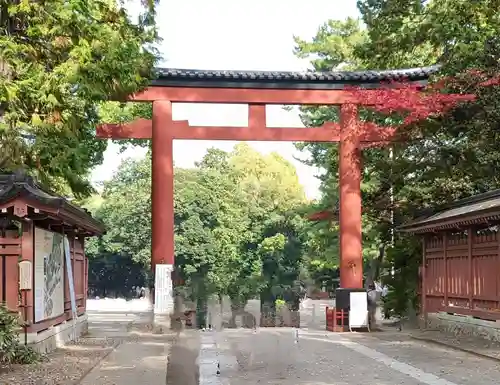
410, 99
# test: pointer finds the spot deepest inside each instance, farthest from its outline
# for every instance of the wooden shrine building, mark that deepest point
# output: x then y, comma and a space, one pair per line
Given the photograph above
35, 279
460, 274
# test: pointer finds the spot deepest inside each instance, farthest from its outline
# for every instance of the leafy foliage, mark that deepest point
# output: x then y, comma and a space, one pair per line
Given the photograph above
116, 275
60, 59
451, 155
126, 211
11, 350
237, 230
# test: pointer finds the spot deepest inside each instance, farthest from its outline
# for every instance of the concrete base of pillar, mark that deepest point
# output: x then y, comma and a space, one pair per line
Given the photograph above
162, 323
164, 298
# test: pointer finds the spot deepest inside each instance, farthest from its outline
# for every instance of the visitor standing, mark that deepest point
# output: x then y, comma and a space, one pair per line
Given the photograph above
372, 304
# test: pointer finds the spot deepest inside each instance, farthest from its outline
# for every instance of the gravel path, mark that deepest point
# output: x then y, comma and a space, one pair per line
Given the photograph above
142, 360
467, 343
247, 357
271, 356
450, 364
65, 366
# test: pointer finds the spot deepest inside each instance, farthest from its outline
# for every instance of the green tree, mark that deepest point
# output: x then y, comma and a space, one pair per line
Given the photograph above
233, 212
60, 59
126, 211
203, 234
335, 46
272, 190
455, 33
443, 158
282, 254
120, 259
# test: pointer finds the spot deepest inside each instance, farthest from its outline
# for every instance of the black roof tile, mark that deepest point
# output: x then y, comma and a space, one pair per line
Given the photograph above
477, 204
173, 77
19, 184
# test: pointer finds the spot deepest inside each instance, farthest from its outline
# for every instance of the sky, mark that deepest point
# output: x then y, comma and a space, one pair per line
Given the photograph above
235, 35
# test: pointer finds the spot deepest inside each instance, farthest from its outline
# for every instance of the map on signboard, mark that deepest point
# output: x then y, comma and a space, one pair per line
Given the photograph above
49, 274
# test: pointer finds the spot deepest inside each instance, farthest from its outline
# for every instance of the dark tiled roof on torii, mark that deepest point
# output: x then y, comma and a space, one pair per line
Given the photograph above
478, 209
20, 185
173, 77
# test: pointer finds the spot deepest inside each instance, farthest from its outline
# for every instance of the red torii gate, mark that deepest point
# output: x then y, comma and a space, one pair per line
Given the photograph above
257, 89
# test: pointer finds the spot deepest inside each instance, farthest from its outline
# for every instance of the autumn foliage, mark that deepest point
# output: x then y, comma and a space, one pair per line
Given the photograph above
410, 98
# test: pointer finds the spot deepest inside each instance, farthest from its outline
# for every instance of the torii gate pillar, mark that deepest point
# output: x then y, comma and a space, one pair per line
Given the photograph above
162, 202
162, 129
257, 91
162, 132
351, 253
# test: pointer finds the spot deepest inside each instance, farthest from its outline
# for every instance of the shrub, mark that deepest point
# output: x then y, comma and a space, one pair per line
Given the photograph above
280, 304
402, 298
11, 350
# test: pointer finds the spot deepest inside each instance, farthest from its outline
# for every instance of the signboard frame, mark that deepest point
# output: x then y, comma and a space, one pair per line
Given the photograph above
47, 266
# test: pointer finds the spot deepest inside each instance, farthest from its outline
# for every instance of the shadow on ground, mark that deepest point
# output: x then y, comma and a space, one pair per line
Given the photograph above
182, 366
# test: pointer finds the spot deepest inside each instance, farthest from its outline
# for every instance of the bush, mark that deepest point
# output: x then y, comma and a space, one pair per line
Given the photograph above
402, 297
11, 350
280, 304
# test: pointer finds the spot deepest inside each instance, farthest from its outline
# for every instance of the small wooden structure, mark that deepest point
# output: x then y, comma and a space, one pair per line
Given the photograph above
337, 320
460, 273
33, 224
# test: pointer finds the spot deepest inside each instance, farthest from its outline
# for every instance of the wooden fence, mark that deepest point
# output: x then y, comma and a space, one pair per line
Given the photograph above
10, 253
461, 273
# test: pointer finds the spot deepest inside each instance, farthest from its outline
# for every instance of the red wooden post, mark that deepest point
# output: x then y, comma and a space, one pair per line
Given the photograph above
351, 258
471, 271
28, 254
497, 269
85, 278
162, 257
445, 261
162, 185
424, 283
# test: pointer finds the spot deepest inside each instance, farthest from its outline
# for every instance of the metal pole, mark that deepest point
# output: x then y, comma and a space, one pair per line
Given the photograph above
391, 194
25, 300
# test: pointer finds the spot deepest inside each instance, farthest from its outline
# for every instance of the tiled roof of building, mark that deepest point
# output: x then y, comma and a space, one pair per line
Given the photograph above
173, 77
20, 185
476, 209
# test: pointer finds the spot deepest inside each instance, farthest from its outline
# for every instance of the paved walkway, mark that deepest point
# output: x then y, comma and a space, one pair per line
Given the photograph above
474, 345
273, 357
141, 358
138, 362
277, 356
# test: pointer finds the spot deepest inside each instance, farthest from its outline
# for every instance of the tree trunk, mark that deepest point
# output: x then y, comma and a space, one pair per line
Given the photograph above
201, 312
267, 309
237, 308
376, 265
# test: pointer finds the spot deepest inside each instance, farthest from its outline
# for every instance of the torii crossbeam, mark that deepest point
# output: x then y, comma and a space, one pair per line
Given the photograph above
257, 89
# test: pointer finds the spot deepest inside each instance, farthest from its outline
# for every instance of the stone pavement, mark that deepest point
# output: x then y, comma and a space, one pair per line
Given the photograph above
272, 356
143, 361
104, 323
140, 358
473, 345
276, 356
451, 366
182, 368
